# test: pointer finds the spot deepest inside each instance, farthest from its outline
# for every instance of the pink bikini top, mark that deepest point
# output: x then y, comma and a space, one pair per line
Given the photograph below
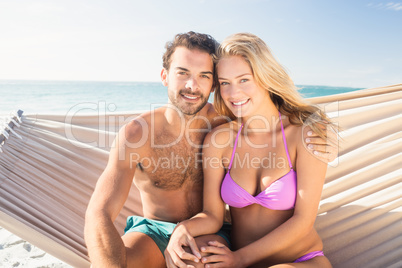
280, 195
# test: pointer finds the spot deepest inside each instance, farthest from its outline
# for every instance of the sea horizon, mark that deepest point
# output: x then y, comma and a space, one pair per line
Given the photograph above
89, 97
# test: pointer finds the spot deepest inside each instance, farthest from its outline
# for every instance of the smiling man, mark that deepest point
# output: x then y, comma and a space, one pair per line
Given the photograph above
171, 190
194, 92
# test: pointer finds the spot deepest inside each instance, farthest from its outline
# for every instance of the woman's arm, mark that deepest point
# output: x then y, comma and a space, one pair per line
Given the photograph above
208, 221
310, 180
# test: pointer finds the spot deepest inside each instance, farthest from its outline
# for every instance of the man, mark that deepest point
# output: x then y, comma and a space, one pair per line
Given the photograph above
171, 191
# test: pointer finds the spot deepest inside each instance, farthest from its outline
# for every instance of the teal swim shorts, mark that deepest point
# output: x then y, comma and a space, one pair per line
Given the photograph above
160, 231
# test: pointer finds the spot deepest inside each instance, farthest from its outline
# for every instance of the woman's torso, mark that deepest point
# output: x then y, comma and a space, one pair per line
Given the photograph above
261, 161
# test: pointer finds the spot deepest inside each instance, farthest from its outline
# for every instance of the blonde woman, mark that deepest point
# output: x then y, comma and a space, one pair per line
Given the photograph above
259, 166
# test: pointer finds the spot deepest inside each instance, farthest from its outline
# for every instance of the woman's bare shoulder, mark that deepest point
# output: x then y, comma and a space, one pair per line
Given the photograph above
223, 134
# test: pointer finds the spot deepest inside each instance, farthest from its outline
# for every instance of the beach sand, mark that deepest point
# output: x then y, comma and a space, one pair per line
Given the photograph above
15, 252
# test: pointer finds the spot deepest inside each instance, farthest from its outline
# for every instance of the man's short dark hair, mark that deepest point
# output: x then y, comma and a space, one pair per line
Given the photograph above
190, 40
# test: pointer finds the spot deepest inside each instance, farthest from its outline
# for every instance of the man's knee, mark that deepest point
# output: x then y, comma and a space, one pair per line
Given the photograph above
142, 251
202, 241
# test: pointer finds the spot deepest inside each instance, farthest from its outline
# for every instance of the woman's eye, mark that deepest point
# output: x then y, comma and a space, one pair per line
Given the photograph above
224, 83
243, 80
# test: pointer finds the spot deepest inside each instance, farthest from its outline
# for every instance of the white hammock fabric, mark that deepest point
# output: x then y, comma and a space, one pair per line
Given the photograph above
50, 164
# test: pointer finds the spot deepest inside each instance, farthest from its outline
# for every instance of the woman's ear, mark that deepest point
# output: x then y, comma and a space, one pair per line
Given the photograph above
164, 77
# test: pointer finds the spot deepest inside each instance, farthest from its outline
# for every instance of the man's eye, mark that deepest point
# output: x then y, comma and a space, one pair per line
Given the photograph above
205, 76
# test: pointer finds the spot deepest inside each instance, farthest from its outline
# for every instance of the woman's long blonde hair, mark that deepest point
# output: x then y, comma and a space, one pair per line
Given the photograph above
270, 75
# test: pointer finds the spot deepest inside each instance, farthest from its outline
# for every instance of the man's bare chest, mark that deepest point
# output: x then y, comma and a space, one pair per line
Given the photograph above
170, 165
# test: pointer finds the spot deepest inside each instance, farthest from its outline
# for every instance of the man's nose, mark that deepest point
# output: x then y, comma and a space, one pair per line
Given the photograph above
192, 83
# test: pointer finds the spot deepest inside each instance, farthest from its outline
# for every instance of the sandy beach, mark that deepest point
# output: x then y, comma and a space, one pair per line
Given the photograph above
16, 252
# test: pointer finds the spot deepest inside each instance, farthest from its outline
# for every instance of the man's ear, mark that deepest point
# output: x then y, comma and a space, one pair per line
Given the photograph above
164, 77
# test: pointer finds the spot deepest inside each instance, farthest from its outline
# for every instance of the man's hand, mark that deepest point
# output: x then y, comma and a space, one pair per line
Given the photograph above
174, 253
326, 150
221, 256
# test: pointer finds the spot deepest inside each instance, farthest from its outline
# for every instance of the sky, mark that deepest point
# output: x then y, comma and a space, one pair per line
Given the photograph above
319, 42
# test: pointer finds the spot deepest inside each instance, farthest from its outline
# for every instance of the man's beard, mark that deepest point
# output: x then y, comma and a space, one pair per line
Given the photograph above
186, 107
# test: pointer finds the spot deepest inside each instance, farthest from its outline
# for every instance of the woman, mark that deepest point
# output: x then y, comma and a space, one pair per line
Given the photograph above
259, 166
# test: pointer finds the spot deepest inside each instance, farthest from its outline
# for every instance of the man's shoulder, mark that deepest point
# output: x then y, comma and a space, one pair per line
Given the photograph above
140, 126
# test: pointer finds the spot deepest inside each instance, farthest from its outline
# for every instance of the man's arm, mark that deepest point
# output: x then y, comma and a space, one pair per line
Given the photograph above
324, 149
105, 246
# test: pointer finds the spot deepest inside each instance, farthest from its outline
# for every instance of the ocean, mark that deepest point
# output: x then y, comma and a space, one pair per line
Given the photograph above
86, 97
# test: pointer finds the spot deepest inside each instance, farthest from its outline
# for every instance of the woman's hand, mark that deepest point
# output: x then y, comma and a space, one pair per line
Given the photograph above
174, 253
221, 256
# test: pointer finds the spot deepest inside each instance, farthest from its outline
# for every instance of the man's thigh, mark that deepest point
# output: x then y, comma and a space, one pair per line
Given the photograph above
142, 251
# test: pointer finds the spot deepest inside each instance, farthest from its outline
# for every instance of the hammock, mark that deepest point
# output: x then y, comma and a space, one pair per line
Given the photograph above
49, 166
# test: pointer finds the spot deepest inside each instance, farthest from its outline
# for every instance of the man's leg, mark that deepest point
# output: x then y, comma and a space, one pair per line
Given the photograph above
142, 251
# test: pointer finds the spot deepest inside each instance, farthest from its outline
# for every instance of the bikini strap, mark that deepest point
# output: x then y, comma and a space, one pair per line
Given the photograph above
234, 149
284, 141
